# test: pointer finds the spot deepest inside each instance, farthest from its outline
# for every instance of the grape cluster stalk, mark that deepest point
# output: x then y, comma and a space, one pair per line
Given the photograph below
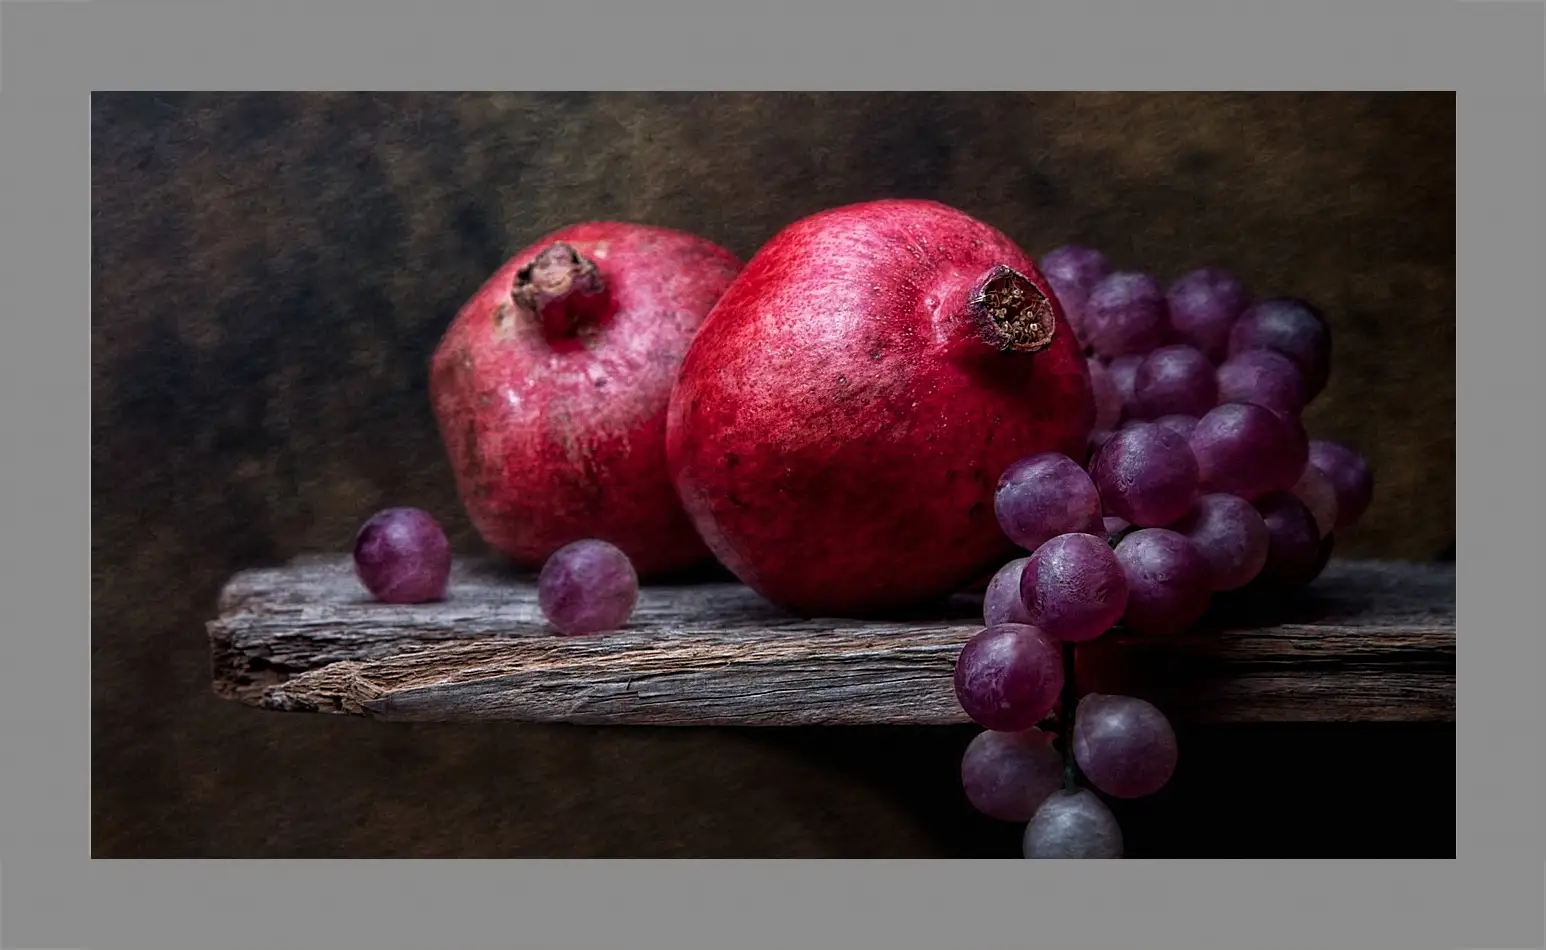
1200, 480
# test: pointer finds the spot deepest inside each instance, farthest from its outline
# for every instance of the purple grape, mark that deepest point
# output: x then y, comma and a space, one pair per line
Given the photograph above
1114, 526
1230, 535
1349, 475
1174, 380
1293, 543
1169, 581
1109, 402
1181, 425
1316, 491
1098, 438
1203, 305
587, 587
1008, 775
1074, 588
1124, 746
1002, 598
1146, 475
1263, 377
1247, 450
1073, 271
1072, 825
1291, 327
1008, 677
402, 557
1125, 314
1123, 370
1045, 495
1323, 557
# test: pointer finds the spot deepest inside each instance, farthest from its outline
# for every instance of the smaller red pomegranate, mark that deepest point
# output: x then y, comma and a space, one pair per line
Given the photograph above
844, 415
551, 387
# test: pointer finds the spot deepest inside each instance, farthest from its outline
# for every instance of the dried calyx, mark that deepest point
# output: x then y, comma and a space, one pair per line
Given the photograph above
560, 287
1013, 315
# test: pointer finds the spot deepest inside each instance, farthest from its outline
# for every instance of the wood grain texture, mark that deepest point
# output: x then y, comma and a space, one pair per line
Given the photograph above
1370, 641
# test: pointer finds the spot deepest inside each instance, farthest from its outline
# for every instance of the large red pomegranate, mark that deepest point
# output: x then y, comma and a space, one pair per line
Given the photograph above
843, 416
551, 385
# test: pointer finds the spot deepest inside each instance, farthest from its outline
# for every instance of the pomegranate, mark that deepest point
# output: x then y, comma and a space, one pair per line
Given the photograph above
843, 416
550, 389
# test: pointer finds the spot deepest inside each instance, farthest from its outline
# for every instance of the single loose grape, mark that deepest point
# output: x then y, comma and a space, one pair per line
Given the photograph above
1008, 775
1203, 305
1146, 475
1125, 314
1045, 495
587, 587
1123, 745
1073, 825
1247, 450
1008, 677
1291, 327
402, 556
1174, 380
1074, 588
1169, 581
1264, 377
1002, 598
1349, 474
1230, 535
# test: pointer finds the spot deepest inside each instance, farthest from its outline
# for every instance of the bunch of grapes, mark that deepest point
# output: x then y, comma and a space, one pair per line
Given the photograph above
1200, 479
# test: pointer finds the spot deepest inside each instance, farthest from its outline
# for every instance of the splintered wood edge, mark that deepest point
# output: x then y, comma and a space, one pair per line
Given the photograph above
1379, 646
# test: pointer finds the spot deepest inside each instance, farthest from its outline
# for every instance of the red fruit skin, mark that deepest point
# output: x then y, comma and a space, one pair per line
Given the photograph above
558, 435
840, 422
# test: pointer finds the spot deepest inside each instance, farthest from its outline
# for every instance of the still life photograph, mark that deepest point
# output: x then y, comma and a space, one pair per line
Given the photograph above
1036, 476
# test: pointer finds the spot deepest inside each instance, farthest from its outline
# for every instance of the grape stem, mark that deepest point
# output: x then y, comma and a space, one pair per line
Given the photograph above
1066, 710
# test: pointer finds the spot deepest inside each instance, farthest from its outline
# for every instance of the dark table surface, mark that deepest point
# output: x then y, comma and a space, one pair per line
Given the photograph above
270, 273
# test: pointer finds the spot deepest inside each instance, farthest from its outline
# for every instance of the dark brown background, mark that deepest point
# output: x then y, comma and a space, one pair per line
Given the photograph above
271, 272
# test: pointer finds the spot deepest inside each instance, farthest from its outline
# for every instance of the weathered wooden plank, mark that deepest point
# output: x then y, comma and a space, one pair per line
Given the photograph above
1369, 641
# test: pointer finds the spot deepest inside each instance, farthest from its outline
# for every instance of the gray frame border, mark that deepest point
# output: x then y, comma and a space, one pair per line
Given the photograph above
53, 54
